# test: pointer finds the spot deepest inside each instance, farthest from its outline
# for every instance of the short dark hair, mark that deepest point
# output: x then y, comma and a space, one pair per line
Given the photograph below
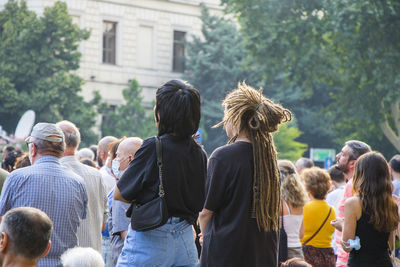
395, 163
336, 174
177, 109
9, 161
9, 148
358, 148
29, 231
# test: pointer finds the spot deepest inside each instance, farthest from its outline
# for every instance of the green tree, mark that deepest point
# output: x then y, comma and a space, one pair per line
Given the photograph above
284, 41
334, 62
215, 65
131, 118
366, 42
37, 58
286, 144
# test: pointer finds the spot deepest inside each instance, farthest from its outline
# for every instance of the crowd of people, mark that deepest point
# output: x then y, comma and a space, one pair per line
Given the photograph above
240, 206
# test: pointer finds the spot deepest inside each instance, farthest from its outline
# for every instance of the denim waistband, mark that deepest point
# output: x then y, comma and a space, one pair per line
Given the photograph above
174, 220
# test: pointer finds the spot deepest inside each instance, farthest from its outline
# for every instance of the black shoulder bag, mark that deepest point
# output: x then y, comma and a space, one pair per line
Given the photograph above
154, 213
283, 245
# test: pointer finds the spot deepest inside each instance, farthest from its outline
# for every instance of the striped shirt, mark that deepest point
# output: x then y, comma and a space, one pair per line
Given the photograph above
52, 188
89, 231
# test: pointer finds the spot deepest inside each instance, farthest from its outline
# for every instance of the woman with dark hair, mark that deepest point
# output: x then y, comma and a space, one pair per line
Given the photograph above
184, 163
239, 221
371, 214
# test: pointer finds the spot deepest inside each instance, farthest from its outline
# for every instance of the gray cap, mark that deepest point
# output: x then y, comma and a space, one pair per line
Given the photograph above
46, 131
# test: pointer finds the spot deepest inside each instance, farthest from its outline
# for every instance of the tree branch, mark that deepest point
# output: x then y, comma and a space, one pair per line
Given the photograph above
389, 133
396, 116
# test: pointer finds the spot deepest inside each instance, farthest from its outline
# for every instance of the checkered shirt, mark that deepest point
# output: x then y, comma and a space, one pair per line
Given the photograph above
57, 191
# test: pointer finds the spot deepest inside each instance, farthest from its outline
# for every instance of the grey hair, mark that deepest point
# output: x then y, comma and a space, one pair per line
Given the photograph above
71, 133
82, 257
45, 147
358, 148
86, 153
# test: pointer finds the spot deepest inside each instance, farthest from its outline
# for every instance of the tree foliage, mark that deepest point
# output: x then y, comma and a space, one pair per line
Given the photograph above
286, 144
131, 118
37, 57
215, 64
334, 60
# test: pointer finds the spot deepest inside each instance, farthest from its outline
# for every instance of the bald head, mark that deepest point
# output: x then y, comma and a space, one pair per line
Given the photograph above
102, 149
126, 150
71, 133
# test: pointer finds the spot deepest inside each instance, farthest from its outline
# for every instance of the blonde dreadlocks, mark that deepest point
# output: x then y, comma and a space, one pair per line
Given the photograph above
247, 110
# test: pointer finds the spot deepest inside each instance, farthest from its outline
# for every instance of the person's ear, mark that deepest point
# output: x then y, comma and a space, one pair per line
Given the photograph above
3, 241
47, 249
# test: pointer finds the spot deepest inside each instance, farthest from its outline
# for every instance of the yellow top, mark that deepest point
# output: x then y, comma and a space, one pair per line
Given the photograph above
315, 213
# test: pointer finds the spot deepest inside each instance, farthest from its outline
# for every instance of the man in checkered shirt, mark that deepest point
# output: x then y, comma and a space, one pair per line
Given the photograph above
50, 187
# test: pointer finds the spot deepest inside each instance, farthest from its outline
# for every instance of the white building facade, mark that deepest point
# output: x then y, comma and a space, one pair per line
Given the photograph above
131, 39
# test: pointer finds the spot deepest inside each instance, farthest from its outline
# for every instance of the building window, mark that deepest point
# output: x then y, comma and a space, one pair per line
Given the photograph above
145, 51
178, 64
109, 42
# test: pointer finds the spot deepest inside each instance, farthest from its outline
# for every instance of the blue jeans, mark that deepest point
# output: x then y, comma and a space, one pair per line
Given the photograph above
169, 245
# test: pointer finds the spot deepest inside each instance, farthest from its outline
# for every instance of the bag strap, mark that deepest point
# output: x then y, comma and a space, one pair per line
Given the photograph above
161, 192
319, 229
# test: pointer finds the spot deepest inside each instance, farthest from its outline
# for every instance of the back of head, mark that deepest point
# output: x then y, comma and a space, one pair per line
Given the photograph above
22, 161
130, 145
102, 149
358, 148
373, 185
395, 163
48, 139
28, 230
82, 257
9, 161
336, 174
71, 133
295, 262
292, 189
177, 109
251, 113
104, 142
317, 182
303, 163
85, 153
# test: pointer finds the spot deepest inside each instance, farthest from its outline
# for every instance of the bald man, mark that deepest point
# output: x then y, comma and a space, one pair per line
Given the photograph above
118, 223
89, 231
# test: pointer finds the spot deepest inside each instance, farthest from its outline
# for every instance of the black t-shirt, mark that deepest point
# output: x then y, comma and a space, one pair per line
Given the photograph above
184, 174
232, 237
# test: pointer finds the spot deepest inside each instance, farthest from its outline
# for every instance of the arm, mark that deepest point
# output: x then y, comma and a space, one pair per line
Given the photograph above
301, 233
352, 211
118, 196
123, 235
204, 218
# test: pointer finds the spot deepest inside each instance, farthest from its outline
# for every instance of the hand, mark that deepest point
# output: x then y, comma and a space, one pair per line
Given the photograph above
338, 224
200, 239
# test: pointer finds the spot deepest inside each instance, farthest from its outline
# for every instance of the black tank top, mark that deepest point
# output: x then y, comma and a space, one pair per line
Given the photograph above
374, 251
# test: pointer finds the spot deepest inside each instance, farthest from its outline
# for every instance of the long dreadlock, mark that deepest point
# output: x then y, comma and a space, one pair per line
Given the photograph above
248, 110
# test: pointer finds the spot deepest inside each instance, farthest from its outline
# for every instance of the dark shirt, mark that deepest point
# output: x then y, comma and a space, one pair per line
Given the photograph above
374, 246
232, 237
184, 174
